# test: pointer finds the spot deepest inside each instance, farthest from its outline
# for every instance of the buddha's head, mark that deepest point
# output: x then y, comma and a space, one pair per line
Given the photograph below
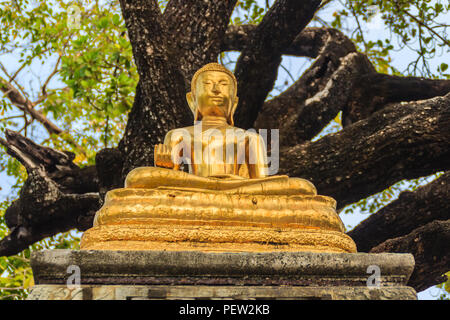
213, 93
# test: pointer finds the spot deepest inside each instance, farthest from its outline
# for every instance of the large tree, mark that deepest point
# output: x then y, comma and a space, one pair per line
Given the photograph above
395, 127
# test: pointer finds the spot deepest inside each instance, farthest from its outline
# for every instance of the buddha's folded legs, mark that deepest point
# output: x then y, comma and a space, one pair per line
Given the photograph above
155, 177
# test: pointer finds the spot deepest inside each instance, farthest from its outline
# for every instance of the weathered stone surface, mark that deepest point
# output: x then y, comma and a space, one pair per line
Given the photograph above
193, 274
60, 292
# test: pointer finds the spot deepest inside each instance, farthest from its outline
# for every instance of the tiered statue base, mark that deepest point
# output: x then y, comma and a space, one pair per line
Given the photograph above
126, 275
214, 239
177, 220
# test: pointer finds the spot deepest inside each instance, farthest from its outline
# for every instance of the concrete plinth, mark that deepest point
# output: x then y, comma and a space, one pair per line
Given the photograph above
117, 275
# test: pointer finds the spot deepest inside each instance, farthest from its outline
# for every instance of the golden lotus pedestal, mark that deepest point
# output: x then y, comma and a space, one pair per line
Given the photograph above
179, 220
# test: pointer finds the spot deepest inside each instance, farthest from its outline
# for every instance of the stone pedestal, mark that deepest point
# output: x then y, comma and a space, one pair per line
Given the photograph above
117, 275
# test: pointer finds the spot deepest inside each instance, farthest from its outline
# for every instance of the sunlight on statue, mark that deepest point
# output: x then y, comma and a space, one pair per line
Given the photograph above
220, 156
226, 202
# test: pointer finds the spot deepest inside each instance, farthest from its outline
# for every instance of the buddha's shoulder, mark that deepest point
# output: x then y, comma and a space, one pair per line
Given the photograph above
189, 131
176, 135
235, 131
250, 133
180, 132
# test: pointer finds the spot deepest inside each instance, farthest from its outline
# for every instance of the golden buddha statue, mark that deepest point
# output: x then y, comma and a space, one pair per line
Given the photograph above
227, 201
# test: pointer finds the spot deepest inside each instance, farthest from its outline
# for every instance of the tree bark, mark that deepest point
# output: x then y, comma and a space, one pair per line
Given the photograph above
401, 141
375, 90
315, 99
410, 211
430, 245
197, 43
56, 197
160, 103
329, 46
257, 67
308, 43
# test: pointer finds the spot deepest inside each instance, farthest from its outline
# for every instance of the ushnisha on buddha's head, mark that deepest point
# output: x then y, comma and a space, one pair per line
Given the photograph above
213, 93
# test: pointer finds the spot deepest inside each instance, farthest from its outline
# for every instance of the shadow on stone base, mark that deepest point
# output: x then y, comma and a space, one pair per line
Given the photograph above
122, 275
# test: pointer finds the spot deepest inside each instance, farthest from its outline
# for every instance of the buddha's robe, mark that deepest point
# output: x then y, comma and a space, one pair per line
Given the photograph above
161, 178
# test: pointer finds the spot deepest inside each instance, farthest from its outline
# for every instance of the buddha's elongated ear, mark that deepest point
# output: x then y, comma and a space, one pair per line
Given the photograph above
232, 110
190, 101
192, 105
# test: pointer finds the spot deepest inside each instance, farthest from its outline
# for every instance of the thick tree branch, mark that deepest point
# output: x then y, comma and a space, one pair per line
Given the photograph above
410, 211
236, 37
160, 103
197, 29
308, 43
402, 141
304, 109
257, 67
336, 81
109, 164
57, 195
57, 165
304, 114
32, 155
43, 210
374, 90
430, 246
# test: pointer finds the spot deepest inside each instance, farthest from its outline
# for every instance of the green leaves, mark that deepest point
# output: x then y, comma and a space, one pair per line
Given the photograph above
93, 85
99, 70
16, 277
418, 26
248, 12
89, 95
445, 289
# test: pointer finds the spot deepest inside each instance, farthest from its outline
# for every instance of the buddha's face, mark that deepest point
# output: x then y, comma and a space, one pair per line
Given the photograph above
214, 93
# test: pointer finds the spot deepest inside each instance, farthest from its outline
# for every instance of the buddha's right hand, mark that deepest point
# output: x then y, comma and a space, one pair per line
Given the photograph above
163, 156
